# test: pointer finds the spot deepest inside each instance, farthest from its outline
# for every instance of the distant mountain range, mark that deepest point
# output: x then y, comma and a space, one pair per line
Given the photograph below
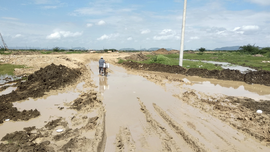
144, 49
228, 48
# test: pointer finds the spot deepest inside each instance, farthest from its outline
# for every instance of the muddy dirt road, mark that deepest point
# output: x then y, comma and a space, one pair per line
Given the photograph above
141, 113
136, 110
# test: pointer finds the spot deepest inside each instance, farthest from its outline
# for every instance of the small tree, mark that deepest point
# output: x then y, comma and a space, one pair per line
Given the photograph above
202, 49
249, 49
56, 49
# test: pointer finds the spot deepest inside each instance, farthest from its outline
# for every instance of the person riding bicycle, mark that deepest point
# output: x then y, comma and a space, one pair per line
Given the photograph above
101, 64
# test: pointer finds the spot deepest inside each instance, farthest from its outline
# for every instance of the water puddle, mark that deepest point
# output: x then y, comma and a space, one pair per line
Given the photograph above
209, 88
8, 90
226, 65
6, 78
48, 108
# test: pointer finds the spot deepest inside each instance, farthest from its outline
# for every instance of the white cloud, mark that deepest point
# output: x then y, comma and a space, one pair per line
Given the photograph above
166, 31
59, 34
250, 27
129, 39
105, 37
89, 25
101, 22
260, 2
18, 35
10, 18
194, 38
236, 28
145, 31
166, 34
163, 37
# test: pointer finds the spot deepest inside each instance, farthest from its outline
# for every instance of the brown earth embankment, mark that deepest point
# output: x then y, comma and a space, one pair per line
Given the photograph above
256, 77
49, 78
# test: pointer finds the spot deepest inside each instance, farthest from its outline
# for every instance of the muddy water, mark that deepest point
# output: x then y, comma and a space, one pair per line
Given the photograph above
119, 91
8, 90
48, 108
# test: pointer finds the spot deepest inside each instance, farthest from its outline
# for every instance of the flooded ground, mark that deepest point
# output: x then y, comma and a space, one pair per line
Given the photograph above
120, 91
226, 65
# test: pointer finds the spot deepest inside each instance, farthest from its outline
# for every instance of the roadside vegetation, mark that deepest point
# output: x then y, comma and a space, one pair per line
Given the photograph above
9, 68
171, 59
248, 55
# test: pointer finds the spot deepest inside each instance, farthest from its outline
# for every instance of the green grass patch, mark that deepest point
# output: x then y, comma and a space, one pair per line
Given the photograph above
9, 68
46, 52
236, 58
121, 61
74, 52
173, 59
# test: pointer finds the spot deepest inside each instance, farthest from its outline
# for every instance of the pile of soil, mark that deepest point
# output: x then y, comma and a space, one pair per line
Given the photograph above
48, 78
137, 57
23, 140
161, 51
86, 100
239, 112
256, 77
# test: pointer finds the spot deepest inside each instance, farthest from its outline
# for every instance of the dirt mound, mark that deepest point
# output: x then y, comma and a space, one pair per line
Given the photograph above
161, 51
86, 100
256, 77
174, 52
23, 140
137, 57
43, 80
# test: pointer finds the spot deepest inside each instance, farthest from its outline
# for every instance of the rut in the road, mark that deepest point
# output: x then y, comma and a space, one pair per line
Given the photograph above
124, 141
194, 143
168, 144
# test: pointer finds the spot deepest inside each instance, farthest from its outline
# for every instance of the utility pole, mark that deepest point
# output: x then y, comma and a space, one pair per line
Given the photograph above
5, 45
183, 35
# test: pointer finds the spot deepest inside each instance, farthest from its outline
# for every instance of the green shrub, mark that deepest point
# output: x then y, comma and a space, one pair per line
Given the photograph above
56, 49
121, 61
202, 49
200, 53
250, 49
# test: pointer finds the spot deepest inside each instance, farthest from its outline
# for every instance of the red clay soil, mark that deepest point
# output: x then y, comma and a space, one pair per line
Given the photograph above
256, 77
49, 78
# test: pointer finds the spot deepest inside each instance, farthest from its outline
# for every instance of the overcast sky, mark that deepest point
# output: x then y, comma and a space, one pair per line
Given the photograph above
97, 24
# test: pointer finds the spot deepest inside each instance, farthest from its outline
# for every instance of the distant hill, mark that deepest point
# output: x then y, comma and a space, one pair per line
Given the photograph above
228, 48
127, 49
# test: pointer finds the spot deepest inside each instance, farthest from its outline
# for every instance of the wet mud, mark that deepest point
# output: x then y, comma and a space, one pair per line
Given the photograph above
49, 78
83, 131
238, 112
256, 77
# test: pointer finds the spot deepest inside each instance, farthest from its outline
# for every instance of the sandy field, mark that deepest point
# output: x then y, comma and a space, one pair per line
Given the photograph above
63, 104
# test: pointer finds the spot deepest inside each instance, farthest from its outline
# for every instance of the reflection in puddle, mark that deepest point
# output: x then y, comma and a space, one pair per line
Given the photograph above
209, 88
103, 84
6, 78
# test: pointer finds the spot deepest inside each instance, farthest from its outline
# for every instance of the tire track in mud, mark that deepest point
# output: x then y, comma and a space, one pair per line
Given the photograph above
168, 144
124, 141
194, 143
